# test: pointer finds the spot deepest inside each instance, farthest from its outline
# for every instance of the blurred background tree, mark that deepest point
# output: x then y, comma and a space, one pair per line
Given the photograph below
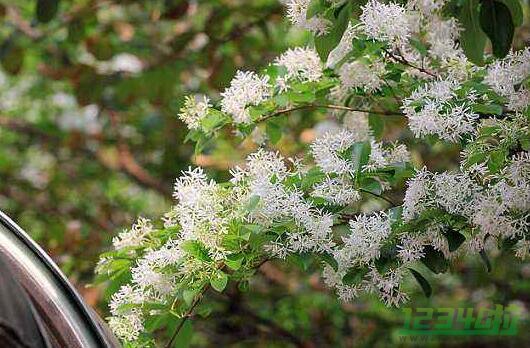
89, 139
90, 94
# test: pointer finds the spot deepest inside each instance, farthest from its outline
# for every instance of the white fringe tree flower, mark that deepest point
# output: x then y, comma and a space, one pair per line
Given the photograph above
355, 202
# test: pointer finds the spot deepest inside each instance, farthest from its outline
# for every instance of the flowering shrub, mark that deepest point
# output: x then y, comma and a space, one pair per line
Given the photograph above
412, 61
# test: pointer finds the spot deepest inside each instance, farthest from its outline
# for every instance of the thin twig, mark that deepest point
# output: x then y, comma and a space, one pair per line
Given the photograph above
186, 316
333, 107
379, 196
195, 303
403, 61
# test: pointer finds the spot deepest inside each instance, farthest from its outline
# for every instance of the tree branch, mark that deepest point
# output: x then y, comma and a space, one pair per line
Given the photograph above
333, 107
380, 197
127, 163
186, 316
403, 61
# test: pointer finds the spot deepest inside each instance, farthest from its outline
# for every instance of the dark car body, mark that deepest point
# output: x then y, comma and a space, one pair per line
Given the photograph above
62, 317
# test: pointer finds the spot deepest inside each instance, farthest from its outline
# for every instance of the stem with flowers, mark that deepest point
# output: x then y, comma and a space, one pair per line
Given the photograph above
391, 60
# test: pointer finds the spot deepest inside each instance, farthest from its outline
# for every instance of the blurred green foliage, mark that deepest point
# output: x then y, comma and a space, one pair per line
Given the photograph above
89, 139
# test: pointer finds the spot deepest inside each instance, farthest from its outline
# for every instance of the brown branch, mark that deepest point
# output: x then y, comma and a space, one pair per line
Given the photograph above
186, 316
196, 302
333, 107
380, 197
21, 126
127, 163
22, 25
402, 60
25, 27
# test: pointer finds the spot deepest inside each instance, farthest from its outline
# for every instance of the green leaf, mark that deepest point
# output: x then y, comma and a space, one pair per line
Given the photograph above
376, 124
387, 260
395, 213
516, 10
489, 109
314, 176
196, 249
324, 44
204, 310
435, 260
46, 10
234, 261
189, 296
274, 132
486, 260
496, 21
219, 281
252, 203
371, 185
525, 142
330, 260
214, 119
354, 275
472, 38
251, 228
301, 97
425, 286
496, 160
183, 338
419, 46
454, 239
303, 260
360, 155
315, 7
244, 286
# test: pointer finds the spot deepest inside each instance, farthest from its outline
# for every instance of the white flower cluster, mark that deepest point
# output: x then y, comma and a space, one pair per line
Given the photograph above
127, 327
426, 7
503, 209
435, 109
386, 22
329, 152
338, 191
360, 249
297, 14
442, 36
383, 157
363, 244
262, 177
149, 284
247, 88
194, 111
135, 236
505, 77
201, 210
202, 213
345, 45
411, 248
302, 63
450, 192
267, 193
498, 210
358, 74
